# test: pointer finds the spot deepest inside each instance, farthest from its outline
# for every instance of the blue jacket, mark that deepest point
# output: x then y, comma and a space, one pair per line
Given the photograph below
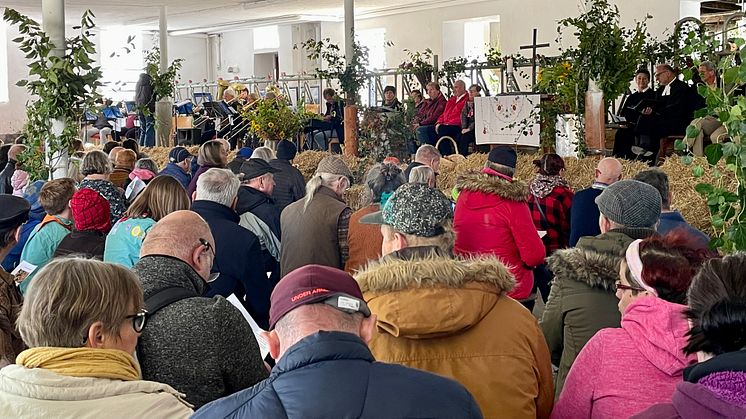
584, 215
238, 258
334, 375
175, 171
125, 239
672, 219
34, 218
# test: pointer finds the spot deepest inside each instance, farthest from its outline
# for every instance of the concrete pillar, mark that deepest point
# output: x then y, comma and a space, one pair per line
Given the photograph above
349, 29
163, 108
53, 23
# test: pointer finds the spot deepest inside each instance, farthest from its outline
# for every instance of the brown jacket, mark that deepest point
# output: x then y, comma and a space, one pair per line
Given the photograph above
120, 177
365, 240
310, 235
11, 300
452, 317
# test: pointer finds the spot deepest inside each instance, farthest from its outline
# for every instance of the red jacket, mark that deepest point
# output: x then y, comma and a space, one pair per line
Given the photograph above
431, 110
452, 113
492, 217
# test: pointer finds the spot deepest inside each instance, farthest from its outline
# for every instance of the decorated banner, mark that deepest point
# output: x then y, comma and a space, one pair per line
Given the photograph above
507, 119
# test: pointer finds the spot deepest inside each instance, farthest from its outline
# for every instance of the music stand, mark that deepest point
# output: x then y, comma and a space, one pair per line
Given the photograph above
203, 97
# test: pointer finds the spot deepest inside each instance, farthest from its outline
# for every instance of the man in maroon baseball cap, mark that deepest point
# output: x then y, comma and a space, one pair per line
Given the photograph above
314, 284
319, 329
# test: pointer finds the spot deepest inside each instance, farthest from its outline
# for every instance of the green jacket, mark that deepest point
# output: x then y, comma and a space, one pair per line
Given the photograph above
582, 299
41, 245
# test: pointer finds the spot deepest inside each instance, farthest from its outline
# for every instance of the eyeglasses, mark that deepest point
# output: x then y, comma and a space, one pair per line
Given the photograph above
139, 320
214, 275
619, 286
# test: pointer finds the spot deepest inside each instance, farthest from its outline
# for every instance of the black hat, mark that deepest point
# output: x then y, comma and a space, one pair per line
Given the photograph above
286, 150
253, 168
503, 155
178, 154
13, 211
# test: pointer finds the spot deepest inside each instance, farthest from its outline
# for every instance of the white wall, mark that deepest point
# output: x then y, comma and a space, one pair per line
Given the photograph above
191, 48
13, 112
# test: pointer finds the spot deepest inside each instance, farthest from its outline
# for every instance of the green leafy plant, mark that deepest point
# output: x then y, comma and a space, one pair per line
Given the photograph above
384, 134
419, 65
65, 87
726, 162
352, 77
606, 52
451, 69
164, 84
272, 118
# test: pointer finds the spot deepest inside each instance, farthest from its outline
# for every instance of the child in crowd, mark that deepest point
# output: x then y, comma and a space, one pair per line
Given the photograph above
55, 198
91, 216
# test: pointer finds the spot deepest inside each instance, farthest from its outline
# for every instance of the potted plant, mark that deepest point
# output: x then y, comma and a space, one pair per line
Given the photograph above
273, 119
164, 87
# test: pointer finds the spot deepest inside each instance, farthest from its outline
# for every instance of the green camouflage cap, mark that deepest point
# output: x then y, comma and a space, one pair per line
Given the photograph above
415, 209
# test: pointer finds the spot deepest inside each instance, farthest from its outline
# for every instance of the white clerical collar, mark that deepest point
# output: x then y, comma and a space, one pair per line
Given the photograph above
644, 90
667, 90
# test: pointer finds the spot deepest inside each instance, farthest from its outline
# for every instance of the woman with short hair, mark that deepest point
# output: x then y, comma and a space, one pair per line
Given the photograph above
364, 240
162, 196
213, 153
715, 387
81, 320
96, 168
648, 348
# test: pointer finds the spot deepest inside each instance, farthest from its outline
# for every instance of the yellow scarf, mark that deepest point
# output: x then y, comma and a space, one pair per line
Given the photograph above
82, 362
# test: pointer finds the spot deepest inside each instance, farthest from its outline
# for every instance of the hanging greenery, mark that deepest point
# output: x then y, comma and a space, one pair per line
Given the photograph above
61, 88
352, 77
606, 52
164, 84
384, 134
418, 65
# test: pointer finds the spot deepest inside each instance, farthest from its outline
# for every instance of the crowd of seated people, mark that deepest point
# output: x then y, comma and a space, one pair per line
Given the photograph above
418, 304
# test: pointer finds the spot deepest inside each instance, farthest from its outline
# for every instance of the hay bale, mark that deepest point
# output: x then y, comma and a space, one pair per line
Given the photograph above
357, 197
308, 161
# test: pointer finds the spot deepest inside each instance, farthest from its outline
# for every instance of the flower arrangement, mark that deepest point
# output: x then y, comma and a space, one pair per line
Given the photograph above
273, 118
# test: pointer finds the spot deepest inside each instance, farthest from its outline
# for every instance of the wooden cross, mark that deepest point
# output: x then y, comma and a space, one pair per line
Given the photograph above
533, 47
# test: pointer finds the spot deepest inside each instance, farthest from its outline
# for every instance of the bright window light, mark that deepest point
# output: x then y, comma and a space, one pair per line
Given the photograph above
121, 64
3, 62
476, 39
266, 37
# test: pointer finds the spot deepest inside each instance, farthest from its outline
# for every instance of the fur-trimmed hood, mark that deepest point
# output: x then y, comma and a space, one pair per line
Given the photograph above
597, 270
421, 293
481, 182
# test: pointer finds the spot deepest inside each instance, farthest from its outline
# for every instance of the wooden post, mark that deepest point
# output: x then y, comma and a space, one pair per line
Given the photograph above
350, 124
595, 125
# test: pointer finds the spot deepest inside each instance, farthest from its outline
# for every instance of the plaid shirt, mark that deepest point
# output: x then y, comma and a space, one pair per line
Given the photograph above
556, 219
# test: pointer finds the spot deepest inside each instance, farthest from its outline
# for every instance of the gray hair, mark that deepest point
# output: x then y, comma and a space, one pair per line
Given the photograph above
421, 174
319, 180
383, 178
96, 162
218, 185
708, 65
426, 152
147, 164
264, 153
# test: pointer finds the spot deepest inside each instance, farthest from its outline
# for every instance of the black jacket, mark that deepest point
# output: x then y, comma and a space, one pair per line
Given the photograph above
144, 94
5, 176
201, 346
263, 207
239, 259
89, 244
334, 375
290, 185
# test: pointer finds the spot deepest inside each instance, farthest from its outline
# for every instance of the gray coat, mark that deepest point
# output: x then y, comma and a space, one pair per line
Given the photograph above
200, 346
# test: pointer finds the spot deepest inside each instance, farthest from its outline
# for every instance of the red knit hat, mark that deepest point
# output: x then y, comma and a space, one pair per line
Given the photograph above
90, 211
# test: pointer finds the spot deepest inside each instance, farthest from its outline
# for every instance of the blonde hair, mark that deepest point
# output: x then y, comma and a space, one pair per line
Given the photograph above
126, 158
70, 294
319, 180
95, 162
162, 196
211, 154
421, 174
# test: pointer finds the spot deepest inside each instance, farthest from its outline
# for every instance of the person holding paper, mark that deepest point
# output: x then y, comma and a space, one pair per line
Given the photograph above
319, 329
14, 212
201, 346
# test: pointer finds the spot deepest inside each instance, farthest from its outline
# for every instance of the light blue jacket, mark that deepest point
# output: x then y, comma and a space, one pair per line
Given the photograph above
41, 245
125, 239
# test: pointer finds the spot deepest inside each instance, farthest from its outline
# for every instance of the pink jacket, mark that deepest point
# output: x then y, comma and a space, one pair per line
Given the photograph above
492, 218
623, 371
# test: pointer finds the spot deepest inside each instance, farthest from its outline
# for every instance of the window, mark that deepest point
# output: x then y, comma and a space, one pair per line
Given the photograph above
476, 39
121, 64
266, 37
375, 41
3, 62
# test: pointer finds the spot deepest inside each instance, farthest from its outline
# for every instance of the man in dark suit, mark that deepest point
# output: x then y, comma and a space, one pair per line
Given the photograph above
673, 113
625, 136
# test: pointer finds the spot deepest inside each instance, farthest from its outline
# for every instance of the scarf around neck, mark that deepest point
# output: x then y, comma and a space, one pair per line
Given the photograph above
543, 185
82, 362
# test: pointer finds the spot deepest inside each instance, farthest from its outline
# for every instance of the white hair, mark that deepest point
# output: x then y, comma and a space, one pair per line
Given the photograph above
421, 174
218, 185
264, 153
317, 181
425, 153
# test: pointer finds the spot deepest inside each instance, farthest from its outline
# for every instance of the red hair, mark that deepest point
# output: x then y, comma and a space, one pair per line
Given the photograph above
669, 263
